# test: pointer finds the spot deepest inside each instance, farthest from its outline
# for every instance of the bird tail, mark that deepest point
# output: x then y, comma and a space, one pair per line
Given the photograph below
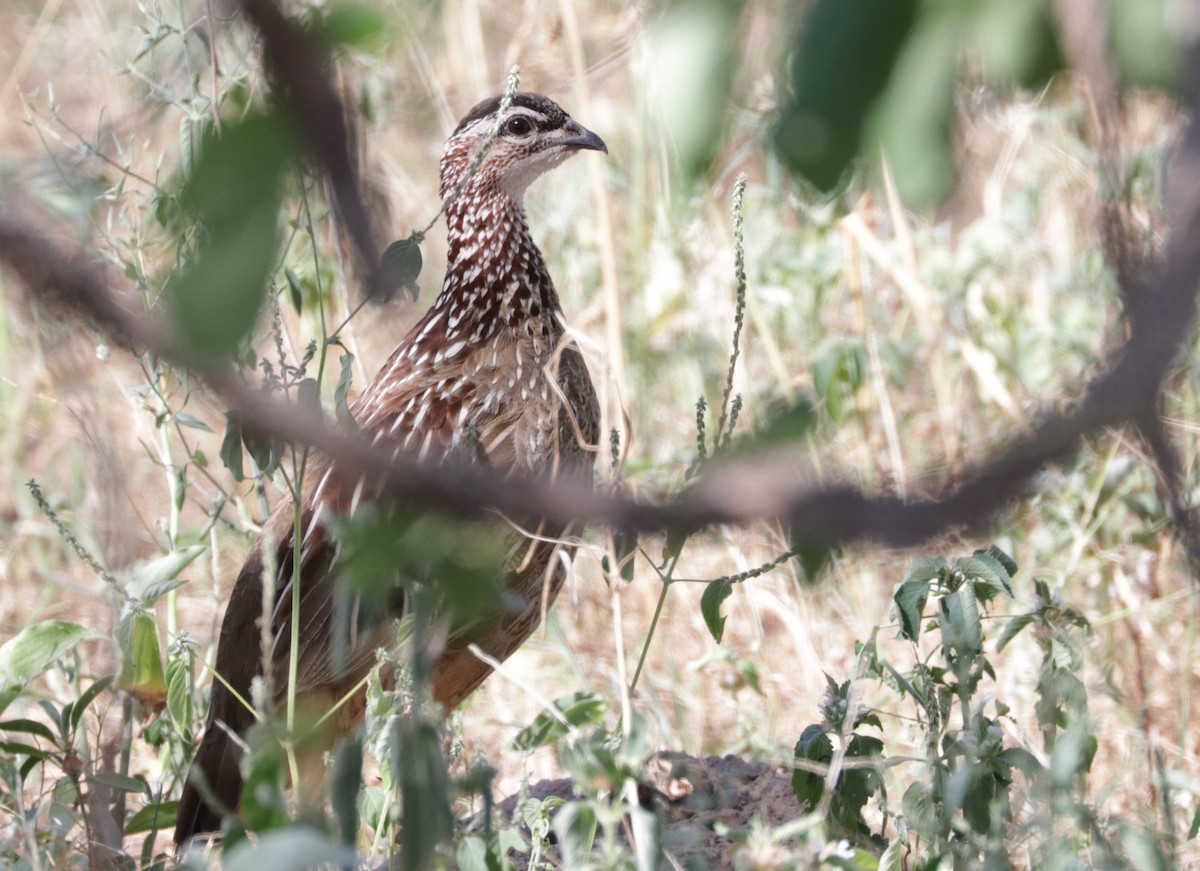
214, 782
213, 786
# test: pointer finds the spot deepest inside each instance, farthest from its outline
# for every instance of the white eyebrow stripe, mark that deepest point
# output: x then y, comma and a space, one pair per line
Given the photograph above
526, 111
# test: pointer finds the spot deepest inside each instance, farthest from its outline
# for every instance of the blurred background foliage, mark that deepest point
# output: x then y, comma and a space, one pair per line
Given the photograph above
924, 273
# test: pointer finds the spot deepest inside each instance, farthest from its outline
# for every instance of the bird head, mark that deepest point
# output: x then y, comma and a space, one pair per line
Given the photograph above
535, 136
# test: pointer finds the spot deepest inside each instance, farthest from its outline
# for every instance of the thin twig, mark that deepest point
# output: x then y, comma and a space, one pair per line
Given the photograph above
720, 437
510, 92
69, 537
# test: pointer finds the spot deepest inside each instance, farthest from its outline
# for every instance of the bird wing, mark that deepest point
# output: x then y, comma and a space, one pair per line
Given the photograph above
434, 410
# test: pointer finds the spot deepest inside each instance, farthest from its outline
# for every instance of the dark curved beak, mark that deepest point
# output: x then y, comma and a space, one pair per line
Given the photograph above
579, 137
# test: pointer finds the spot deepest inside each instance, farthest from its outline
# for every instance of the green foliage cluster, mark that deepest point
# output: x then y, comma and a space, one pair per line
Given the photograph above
961, 808
907, 59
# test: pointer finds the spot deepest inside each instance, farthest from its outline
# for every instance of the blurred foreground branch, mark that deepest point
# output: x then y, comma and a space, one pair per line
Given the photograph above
734, 491
731, 491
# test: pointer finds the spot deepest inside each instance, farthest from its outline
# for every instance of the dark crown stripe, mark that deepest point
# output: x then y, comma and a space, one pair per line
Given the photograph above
554, 115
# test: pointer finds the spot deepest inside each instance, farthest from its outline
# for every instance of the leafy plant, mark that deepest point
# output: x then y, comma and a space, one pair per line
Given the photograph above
963, 808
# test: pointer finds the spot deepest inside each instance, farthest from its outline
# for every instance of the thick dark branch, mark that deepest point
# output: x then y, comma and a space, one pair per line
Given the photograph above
1085, 31
730, 492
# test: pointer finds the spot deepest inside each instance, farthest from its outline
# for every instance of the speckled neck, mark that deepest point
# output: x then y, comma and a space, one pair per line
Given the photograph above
495, 274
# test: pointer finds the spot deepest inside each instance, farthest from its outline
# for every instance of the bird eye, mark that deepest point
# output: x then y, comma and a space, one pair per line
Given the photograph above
518, 126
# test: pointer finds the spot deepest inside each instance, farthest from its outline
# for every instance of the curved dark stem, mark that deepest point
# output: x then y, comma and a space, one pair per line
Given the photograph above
297, 64
732, 490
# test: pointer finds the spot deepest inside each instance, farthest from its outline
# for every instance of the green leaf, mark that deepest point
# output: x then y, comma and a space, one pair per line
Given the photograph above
80, 705
155, 816
677, 537
344, 785
592, 761
814, 746
1072, 756
694, 60
353, 24
924, 568
747, 669
904, 684
962, 631
295, 848
892, 858
921, 812
710, 606
625, 544
30, 763
839, 367
32, 650
179, 692
265, 452
1018, 43
424, 793
59, 717
184, 419
813, 556
341, 405
294, 289
1020, 759
16, 748
987, 573
473, 855
215, 301
974, 790
915, 119
120, 782
866, 657
791, 426
855, 786
381, 551
235, 192
908, 603
263, 804
1061, 701
231, 447
575, 825
1012, 629
153, 578
843, 59
1144, 850
373, 807
1147, 43
1007, 562
401, 266
868, 719
141, 673
579, 709
238, 168
33, 727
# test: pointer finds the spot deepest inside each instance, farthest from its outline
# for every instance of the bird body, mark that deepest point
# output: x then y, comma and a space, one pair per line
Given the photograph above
489, 375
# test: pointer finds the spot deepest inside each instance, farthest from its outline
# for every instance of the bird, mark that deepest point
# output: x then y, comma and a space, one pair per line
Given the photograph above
489, 373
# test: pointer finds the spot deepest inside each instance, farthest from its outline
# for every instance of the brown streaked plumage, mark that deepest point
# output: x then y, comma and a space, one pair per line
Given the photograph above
489, 365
